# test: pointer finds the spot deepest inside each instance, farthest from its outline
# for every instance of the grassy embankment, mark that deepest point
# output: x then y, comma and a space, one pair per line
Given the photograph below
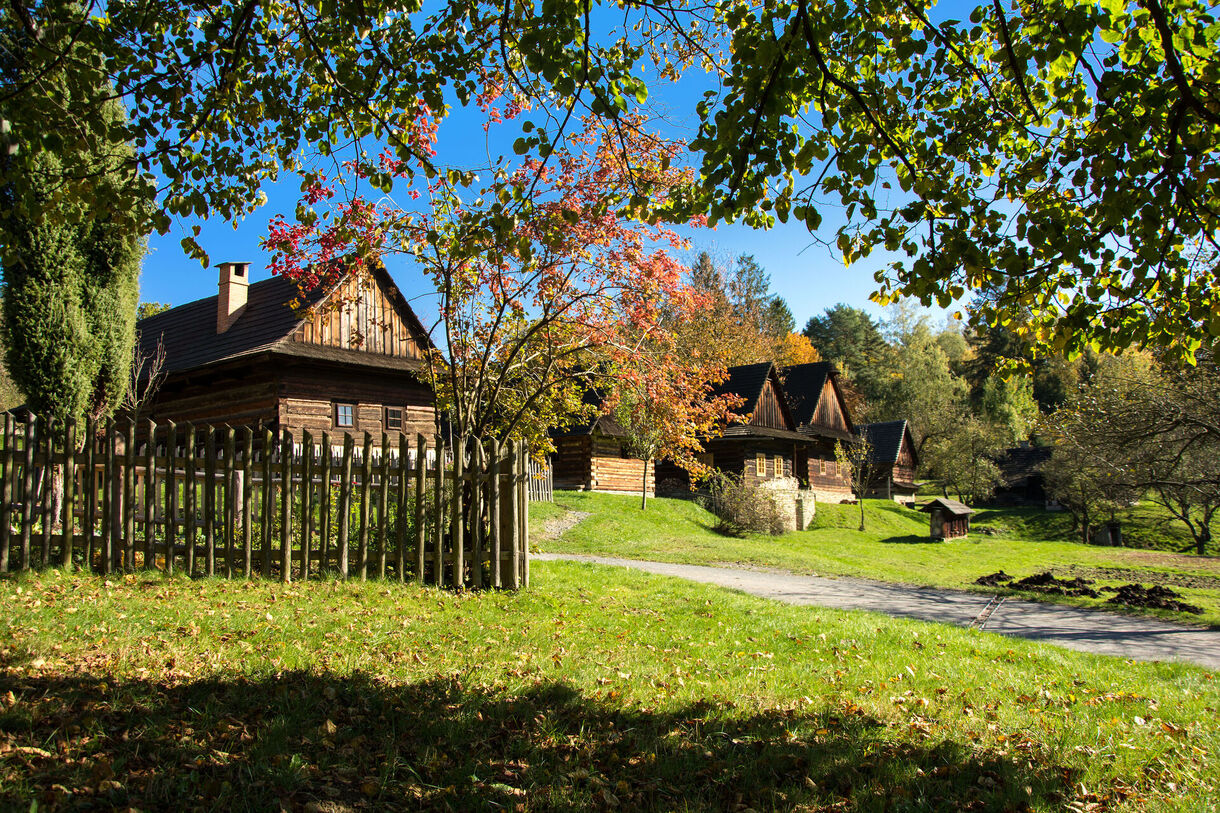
597, 688
894, 547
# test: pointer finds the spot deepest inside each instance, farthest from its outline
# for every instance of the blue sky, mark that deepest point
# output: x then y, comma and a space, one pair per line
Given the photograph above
808, 275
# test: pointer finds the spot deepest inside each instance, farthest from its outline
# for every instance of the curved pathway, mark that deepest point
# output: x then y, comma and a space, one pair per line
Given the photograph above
1126, 636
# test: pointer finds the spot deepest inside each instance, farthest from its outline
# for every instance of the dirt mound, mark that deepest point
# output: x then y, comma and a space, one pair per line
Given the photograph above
997, 579
1148, 576
1047, 583
1135, 595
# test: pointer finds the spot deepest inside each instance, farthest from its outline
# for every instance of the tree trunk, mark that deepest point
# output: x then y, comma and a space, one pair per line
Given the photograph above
644, 488
861, 512
1202, 538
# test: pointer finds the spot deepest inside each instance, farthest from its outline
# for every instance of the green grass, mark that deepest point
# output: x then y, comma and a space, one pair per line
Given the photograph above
597, 688
894, 547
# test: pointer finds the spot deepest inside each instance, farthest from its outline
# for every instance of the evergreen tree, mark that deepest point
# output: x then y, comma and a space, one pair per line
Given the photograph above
71, 274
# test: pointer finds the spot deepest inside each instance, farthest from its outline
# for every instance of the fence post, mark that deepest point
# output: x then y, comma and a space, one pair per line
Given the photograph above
493, 512
401, 529
345, 503
269, 447
189, 498
438, 515
383, 506
111, 543
509, 513
306, 501
477, 466
48, 514
68, 522
421, 520
366, 469
8, 464
324, 508
171, 495
27, 488
286, 453
247, 502
523, 517
232, 494
129, 497
150, 496
209, 501
457, 506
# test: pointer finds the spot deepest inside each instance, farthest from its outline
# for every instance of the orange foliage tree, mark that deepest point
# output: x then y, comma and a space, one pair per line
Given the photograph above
550, 276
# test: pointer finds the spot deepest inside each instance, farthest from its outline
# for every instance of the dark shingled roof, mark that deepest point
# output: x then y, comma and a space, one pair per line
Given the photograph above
886, 439
191, 341
954, 507
746, 381
189, 331
803, 385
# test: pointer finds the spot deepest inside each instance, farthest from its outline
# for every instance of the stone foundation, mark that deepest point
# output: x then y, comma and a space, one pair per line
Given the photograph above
797, 505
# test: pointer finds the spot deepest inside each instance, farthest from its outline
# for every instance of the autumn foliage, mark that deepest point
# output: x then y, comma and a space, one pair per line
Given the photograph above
551, 277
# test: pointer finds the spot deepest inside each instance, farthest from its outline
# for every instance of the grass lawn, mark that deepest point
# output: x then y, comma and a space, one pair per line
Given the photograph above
895, 547
597, 688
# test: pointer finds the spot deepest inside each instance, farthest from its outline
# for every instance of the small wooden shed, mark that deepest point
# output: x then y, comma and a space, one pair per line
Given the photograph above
950, 518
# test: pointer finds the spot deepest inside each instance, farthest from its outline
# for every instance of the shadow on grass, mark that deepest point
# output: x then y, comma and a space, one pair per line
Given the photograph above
912, 539
301, 741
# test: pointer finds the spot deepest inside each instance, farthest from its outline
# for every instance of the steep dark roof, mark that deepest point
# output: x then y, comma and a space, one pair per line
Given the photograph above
1019, 465
954, 507
886, 439
746, 381
191, 341
803, 384
189, 331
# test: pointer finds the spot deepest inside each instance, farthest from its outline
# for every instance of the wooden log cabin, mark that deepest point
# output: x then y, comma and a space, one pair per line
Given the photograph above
594, 457
820, 414
893, 460
349, 360
765, 446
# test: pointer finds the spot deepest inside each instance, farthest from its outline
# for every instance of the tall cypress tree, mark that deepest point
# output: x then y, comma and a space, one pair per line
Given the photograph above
71, 270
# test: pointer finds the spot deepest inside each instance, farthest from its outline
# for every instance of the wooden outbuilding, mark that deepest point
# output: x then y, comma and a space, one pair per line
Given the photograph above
594, 457
950, 519
893, 460
820, 414
347, 359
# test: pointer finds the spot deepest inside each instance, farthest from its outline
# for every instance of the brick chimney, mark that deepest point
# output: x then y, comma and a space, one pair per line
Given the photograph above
231, 304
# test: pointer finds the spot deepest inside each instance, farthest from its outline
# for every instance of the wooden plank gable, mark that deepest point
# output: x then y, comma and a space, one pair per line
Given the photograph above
831, 412
771, 410
364, 314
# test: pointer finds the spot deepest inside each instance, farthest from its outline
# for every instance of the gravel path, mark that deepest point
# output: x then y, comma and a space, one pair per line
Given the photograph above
1096, 631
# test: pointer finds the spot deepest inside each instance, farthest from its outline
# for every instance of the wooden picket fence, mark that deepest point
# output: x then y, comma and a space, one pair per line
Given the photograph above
238, 502
541, 481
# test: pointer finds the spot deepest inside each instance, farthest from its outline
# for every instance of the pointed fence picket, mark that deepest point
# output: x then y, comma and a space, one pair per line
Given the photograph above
237, 502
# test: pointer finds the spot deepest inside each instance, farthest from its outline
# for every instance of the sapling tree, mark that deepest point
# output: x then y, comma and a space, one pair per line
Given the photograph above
856, 458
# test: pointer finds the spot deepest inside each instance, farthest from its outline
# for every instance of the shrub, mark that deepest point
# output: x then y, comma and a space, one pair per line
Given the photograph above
741, 509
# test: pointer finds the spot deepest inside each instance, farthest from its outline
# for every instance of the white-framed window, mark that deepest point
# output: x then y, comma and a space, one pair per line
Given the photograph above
345, 415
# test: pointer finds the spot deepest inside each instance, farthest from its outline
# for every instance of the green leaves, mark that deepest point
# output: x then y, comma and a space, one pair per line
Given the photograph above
1058, 147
